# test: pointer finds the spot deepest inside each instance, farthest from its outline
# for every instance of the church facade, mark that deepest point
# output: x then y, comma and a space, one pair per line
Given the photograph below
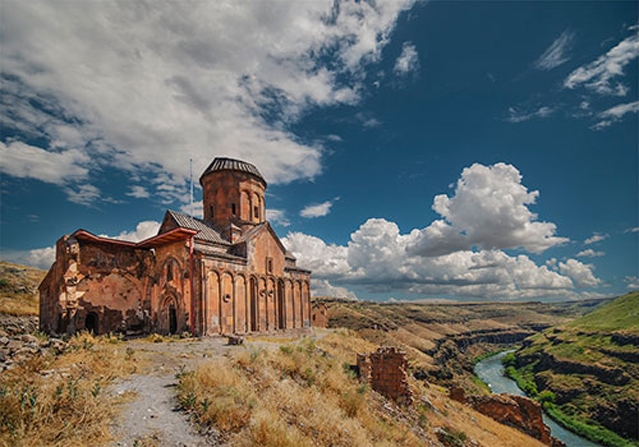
227, 273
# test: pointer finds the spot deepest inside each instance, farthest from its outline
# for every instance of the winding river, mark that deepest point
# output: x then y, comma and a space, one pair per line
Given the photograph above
491, 371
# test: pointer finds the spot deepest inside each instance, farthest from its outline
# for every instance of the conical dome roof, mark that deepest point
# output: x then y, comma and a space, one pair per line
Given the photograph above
231, 164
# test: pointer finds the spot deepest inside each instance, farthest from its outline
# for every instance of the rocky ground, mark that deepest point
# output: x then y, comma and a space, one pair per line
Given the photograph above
17, 340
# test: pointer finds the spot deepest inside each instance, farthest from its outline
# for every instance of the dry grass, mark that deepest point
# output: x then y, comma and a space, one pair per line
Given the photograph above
304, 393
19, 289
60, 401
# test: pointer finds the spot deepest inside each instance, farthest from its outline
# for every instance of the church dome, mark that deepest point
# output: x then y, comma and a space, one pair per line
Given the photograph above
231, 164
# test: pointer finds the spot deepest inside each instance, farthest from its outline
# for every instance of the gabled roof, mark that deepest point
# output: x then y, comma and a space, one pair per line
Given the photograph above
177, 234
205, 231
250, 234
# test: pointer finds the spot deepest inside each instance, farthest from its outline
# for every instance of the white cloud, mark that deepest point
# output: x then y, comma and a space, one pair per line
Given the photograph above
143, 88
376, 258
322, 287
138, 192
277, 217
325, 260
318, 210
599, 75
519, 116
25, 161
632, 282
41, 258
85, 194
581, 274
557, 53
408, 60
488, 210
596, 237
143, 230
632, 230
616, 113
590, 253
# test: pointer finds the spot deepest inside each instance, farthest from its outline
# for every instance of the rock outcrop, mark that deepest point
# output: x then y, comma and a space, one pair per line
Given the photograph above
518, 412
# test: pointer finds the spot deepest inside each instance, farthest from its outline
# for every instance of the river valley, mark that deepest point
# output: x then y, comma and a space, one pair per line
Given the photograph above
490, 370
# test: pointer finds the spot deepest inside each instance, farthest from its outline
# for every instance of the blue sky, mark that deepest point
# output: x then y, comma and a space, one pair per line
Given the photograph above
413, 150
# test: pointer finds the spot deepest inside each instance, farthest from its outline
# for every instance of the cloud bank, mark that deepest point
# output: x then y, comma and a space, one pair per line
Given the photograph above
99, 86
464, 254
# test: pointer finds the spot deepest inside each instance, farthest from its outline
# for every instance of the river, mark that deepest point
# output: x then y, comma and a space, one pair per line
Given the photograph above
491, 371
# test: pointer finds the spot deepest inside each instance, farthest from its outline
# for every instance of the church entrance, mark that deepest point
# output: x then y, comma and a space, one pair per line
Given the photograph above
91, 323
168, 318
172, 319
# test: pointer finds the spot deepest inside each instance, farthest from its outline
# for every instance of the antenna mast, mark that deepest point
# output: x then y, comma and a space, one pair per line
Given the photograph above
191, 194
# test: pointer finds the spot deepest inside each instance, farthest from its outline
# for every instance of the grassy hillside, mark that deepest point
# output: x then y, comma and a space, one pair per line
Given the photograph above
305, 393
621, 315
444, 340
587, 371
19, 289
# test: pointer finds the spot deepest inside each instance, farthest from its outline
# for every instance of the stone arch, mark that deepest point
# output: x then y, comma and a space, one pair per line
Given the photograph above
171, 270
227, 299
281, 304
213, 302
271, 303
170, 318
253, 305
299, 316
306, 303
263, 304
239, 304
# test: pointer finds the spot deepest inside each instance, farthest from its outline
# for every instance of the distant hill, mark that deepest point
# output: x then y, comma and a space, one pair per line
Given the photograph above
588, 371
621, 315
19, 289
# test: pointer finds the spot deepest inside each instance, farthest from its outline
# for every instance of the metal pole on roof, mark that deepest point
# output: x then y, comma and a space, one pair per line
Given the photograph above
191, 196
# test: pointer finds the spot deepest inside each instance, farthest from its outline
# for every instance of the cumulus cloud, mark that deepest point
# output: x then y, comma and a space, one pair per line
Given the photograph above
318, 210
581, 274
600, 75
145, 87
143, 230
489, 209
377, 259
325, 260
459, 255
408, 60
557, 53
322, 287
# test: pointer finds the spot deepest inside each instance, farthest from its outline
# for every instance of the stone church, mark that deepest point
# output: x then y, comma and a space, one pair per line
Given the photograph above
227, 273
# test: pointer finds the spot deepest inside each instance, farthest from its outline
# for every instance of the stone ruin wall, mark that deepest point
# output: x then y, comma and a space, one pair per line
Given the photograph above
385, 370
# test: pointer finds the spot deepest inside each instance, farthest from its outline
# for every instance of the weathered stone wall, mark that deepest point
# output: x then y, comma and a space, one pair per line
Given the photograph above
319, 315
385, 371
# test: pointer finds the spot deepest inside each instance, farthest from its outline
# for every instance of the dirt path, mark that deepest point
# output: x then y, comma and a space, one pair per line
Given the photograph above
151, 417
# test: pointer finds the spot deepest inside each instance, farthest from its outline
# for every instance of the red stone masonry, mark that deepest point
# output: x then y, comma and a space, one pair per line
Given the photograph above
385, 371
